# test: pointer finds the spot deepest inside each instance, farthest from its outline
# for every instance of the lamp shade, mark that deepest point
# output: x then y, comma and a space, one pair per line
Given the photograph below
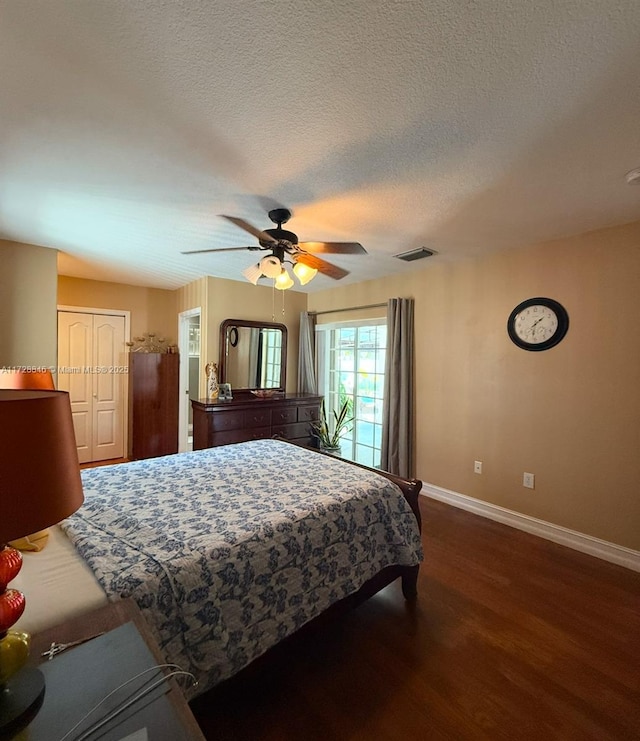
253, 273
39, 472
304, 273
270, 266
283, 281
22, 379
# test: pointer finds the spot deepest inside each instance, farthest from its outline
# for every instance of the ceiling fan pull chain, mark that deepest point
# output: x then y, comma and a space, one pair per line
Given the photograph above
273, 301
283, 292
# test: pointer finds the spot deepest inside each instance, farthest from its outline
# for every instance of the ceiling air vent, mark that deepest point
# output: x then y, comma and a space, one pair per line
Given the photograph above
415, 254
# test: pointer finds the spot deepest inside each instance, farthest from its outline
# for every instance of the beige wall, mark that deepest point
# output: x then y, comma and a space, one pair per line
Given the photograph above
194, 296
156, 310
28, 316
221, 299
152, 309
229, 299
570, 415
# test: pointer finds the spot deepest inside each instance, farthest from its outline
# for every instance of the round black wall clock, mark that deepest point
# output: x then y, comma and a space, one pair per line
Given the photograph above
538, 324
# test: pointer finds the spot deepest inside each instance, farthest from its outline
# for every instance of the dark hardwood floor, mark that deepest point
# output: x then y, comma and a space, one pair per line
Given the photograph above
512, 637
96, 464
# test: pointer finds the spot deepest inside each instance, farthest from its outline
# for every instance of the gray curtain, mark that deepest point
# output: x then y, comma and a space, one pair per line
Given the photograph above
307, 383
397, 409
255, 371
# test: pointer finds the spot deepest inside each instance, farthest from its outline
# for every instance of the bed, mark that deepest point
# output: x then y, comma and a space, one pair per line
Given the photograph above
229, 550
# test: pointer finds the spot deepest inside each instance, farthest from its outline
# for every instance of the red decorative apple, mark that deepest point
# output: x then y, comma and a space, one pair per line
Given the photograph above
12, 604
10, 565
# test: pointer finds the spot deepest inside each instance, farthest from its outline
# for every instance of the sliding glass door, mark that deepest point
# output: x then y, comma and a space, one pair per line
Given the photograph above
351, 367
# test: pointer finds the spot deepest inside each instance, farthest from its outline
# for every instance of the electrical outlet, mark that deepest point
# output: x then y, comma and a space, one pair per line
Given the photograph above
528, 480
477, 466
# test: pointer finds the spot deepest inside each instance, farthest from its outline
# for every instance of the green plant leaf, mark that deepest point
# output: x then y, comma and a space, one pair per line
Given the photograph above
321, 430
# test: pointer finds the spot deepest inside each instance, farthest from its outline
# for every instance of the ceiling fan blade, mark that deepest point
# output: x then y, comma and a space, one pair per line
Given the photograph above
221, 249
322, 266
335, 248
263, 236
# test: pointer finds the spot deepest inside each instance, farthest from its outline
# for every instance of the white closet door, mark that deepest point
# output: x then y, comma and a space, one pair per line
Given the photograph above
108, 418
91, 351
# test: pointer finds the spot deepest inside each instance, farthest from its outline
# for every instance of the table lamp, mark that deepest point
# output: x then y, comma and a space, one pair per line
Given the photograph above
39, 486
24, 379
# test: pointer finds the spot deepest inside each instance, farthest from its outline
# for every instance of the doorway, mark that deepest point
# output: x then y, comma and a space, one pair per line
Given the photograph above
351, 370
189, 345
92, 367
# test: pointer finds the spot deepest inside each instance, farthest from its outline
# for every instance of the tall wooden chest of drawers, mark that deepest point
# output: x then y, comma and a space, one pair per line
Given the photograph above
153, 404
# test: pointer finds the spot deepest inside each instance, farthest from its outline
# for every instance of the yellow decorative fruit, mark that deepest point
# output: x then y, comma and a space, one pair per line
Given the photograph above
14, 651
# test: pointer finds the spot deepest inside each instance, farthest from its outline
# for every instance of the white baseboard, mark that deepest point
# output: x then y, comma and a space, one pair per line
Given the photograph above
578, 541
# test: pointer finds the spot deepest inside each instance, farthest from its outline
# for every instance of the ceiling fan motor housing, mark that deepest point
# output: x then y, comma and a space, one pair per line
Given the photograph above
279, 235
279, 216
278, 251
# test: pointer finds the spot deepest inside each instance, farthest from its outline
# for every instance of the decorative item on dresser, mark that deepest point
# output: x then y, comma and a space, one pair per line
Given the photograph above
150, 342
153, 404
247, 417
226, 392
213, 388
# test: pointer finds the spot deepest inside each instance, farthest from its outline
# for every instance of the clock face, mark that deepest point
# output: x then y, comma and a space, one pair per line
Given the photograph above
538, 324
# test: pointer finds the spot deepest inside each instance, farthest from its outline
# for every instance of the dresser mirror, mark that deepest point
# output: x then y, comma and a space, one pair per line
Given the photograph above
253, 355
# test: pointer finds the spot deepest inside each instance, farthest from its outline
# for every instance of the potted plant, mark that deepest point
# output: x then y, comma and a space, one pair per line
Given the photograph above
328, 436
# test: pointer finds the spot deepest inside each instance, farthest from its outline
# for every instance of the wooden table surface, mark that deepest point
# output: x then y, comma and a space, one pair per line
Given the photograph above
102, 620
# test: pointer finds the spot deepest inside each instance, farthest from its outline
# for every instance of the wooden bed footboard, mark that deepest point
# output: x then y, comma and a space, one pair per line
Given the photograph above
410, 489
409, 574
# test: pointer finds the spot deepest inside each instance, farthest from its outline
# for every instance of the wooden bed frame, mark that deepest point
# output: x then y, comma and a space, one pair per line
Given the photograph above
409, 574
410, 489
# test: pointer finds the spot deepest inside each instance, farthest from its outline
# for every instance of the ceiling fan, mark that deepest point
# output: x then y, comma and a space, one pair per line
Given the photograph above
284, 246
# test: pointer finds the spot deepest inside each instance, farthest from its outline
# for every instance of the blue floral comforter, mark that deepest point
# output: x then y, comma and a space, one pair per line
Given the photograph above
229, 550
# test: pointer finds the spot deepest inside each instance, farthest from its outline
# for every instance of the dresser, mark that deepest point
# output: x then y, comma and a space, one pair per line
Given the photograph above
153, 404
249, 418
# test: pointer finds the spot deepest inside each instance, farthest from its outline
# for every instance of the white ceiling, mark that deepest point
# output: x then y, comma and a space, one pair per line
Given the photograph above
126, 126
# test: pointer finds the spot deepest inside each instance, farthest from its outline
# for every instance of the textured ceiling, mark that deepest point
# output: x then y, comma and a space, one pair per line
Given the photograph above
126, 126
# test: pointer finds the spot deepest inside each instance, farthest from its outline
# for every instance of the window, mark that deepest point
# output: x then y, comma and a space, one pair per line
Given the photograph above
351, 359
271, 354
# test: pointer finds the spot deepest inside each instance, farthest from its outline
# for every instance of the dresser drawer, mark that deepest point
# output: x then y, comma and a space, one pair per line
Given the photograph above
284, 415
240, 436
292, 431
308, 413
226, 420
257, 418
238, 420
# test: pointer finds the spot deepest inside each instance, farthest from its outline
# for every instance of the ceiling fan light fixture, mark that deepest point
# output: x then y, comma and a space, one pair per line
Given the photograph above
270, 266
304, 273
283, 280
253, 273
285, 246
